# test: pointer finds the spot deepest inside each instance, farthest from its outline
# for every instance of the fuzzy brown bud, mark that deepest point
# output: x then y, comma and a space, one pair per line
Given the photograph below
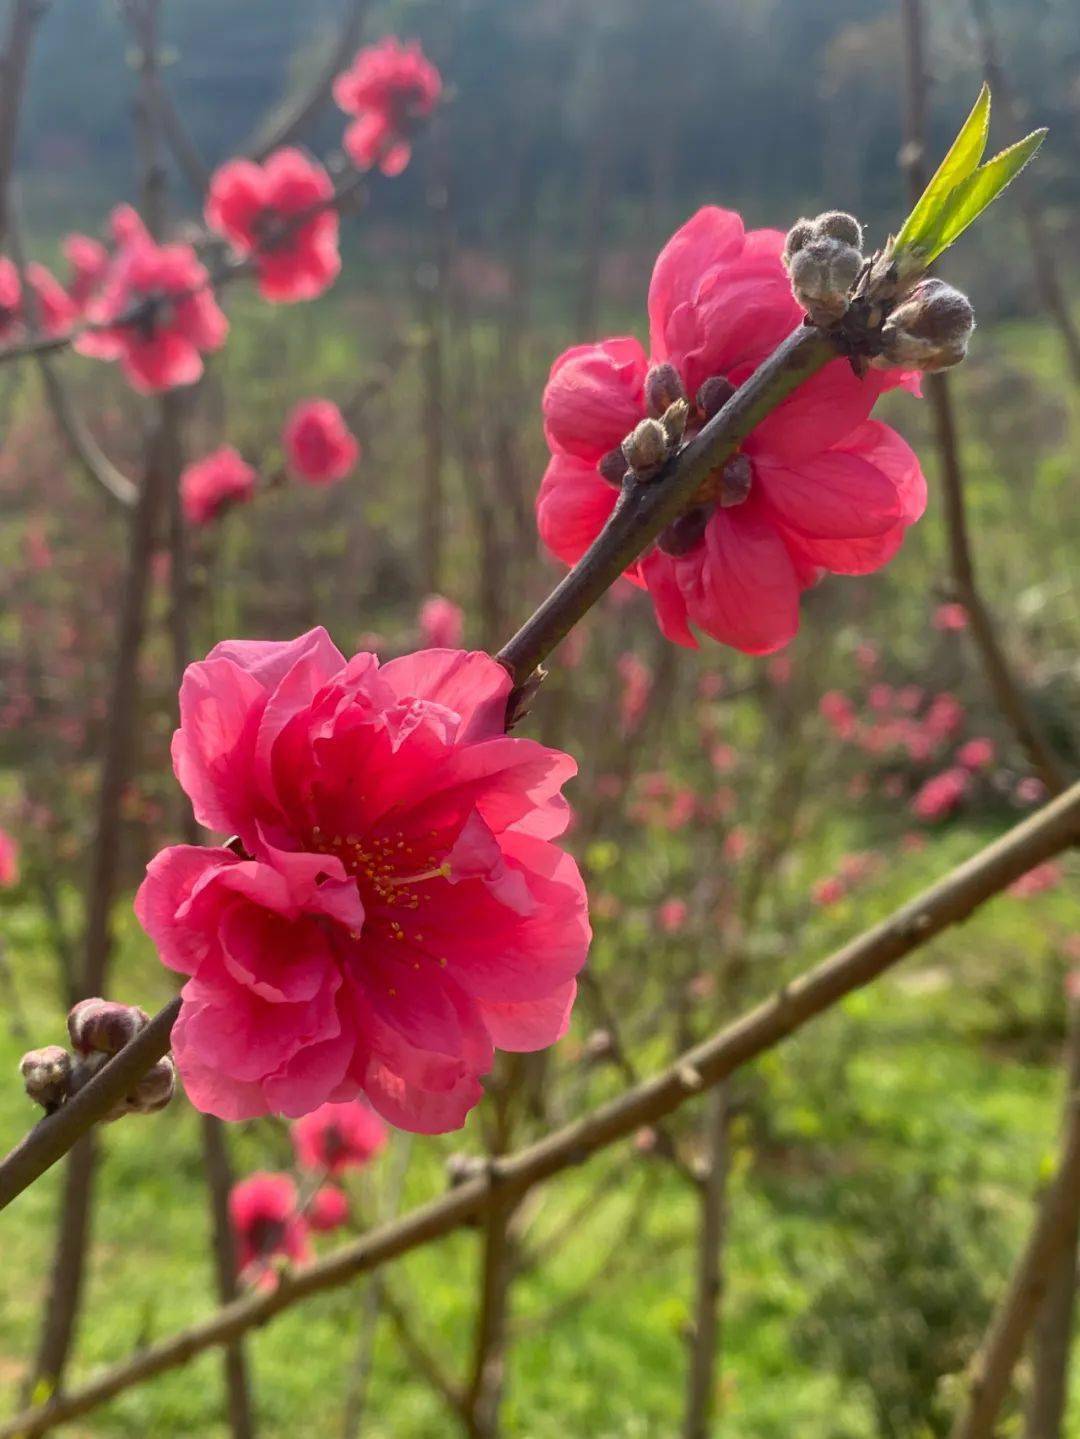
800, 234
674, 421
840, 226
930, 329
46, 1076
714, 395
155, 1088
822, 274
612, 468
663, 386
737, 477
103, 1027
646, 448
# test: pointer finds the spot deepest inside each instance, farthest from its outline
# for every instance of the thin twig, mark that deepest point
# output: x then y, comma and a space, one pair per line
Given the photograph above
1056, 1219
23, 16
1004, 686
704, 1336
953, 899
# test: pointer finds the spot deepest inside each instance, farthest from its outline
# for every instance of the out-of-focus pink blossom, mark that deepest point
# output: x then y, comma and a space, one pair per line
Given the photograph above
336, 1137
828, 891
212, 484
950, 617
1030, 790
9, 860
329, 1209
671, 916
442, 623
838, 712
88, 261
1038, 880
976, 753
736, 844
941, 794
390, 88
636, 677
266, 1224
867, 657
319, 445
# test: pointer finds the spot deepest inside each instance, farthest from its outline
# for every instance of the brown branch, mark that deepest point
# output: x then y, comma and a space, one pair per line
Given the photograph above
296, 115
167, 119
1004, 686
1055, 1225
1044, 268
23, 16
953, 899
644, 509
702, 1374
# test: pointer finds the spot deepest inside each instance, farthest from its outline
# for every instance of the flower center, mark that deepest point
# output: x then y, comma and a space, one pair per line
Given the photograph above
266, 1235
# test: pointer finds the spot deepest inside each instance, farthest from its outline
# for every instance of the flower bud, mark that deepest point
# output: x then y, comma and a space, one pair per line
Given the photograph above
646, 447
612, 468
930, 329
714, 395
99, 1025
685, 533
800, 234
674, 421
840, 226
155, 1088
736, 478
663, 386
46, 1075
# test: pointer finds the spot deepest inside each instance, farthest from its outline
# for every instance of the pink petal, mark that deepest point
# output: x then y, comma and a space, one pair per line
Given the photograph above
593, 398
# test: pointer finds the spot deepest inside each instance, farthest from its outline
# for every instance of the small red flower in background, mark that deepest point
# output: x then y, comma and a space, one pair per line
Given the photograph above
388, 87
671, 916
976, 753
266, 1223
54, 310
336, 1137
319, 445
156, 310
442, 623
209, 485
88, 261
1047, 875
404, 910
818, 486
9, 861
941, 794
329, 1209
950, 617
828, 892
637, 682
252, 206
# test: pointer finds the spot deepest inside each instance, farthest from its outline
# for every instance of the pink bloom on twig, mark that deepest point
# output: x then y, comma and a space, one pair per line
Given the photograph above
404, 910
390, 88
156, 312
336, 1137
319, 445
442, 623
266, 1224
671, 916
329, 1209
88, 260
9, 861
281, 213
817, 486
976, 753
210, 485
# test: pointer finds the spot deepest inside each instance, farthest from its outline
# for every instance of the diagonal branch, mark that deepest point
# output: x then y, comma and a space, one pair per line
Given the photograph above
949, 902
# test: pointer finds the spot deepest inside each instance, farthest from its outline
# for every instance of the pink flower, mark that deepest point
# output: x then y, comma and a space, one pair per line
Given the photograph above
260, 209
88, 260
838, 712
266, 1223
329, 1209
442, 623
336, 1137
736, 844
9, 861
319, 445
828, 891
157, 310
53, 310
389, 87
724, 758
404, 910
817, 486
950, 617
671, 916
636, 680
941, 794
1038, 880
976, 753
209, 485
1030, 790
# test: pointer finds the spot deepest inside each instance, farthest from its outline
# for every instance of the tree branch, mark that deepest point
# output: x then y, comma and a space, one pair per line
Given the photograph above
1004, 686
950, 901
23, 16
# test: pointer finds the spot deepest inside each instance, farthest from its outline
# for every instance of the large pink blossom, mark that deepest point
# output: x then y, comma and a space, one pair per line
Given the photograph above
828, 488
155, 311
397, 908
280, 212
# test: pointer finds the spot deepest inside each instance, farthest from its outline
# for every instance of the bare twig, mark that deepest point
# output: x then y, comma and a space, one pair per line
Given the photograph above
704, 1336
23, 16
949, 902
294, 116
1006, 690
167, 119
1055, 1227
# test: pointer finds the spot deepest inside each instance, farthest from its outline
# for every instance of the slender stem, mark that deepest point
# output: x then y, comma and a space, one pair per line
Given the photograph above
23, 16
702, 1376
1055, 1225
644, 509
1004, 686
949, 902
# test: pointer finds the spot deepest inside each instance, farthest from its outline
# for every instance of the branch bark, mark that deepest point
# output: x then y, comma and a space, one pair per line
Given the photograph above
1055, 1227
23, 16
949, 902
1004, 686
703, 1377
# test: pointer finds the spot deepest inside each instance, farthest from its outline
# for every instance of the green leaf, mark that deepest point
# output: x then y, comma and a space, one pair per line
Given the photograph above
964, 155
971, 197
